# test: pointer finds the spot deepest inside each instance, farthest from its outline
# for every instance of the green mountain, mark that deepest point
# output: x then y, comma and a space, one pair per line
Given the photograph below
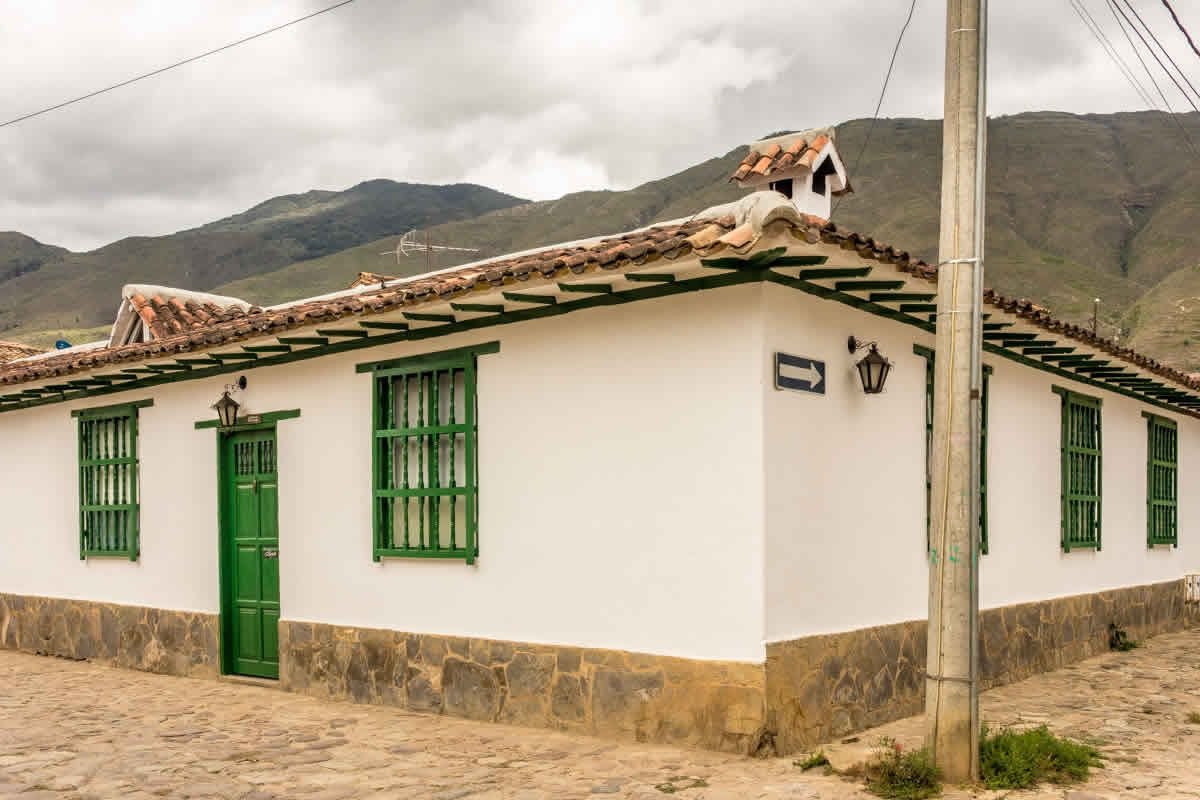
1079, 207
46, 290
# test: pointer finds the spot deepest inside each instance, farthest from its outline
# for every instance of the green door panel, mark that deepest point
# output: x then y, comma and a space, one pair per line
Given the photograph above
251, 540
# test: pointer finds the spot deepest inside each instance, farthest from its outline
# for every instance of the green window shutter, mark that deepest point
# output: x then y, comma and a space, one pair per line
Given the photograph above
425, 464
109, 510
927, 354
1081, 480
1162, 481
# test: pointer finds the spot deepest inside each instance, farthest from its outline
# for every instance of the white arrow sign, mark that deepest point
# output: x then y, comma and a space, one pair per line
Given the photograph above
799, 373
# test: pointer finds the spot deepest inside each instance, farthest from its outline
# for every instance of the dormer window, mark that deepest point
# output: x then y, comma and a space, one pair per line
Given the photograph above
784, 187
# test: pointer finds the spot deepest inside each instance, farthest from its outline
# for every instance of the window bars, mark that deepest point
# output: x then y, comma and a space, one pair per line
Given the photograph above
108, 482
1162, 481
1080, 486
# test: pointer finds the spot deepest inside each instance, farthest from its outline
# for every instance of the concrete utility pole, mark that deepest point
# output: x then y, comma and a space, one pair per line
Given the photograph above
952, 699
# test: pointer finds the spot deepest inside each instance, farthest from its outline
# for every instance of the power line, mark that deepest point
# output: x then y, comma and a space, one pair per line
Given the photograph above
1110, 49
1115, 8
878, 105
1166, 53
1182, 29
161, 70
1154, 53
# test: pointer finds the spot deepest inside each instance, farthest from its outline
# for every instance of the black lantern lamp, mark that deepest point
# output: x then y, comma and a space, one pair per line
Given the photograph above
873, 368
226, 407
227, 410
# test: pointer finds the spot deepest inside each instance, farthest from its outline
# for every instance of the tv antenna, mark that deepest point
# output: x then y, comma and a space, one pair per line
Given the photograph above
409, 246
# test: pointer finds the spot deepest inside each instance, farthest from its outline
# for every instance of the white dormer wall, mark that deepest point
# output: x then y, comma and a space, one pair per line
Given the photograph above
828, 172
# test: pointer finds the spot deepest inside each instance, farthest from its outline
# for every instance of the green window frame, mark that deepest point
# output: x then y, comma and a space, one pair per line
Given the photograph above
424, 445
1162, 481
109, 504
928, 354
1081, 482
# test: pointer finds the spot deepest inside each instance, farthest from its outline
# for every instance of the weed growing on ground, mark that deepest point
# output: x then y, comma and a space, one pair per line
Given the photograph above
1019, 760
899, 775
1193, 718
1119, 640
815, 760
678, 784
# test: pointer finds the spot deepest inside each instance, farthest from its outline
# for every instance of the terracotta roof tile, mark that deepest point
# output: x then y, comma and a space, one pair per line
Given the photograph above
370, 279
167, 316
11, 351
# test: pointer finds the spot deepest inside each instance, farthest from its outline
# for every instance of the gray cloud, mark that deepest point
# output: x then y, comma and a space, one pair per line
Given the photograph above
533, 98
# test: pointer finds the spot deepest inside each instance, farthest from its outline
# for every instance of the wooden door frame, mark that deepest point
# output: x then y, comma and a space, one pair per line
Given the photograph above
224, 518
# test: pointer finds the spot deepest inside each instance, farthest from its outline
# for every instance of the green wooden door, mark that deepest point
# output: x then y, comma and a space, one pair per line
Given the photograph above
252, 548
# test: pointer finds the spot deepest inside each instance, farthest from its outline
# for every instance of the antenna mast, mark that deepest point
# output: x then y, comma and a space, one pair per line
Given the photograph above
408, 245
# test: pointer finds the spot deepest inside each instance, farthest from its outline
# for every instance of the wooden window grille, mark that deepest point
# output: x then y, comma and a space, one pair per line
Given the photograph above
426, 470
983, 439
1162, 481
1081, 480
108, 482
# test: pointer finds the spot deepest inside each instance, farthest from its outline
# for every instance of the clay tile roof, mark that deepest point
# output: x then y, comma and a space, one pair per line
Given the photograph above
776, 158
11, 351
370, 279
167, 315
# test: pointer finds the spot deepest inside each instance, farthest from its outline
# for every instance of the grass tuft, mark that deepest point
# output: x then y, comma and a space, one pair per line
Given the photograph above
899, 775
815, 760
1019, 760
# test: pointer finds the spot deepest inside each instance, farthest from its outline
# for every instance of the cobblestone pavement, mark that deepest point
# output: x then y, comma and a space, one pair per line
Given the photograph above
77, 730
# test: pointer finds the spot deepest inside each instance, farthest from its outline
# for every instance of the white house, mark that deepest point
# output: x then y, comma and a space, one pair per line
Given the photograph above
630, 486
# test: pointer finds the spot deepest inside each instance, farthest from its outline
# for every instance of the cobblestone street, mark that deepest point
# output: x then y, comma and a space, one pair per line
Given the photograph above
76, 730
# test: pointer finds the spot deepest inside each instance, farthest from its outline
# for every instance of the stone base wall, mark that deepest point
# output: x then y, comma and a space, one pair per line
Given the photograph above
150, 639
616, 694
824, 687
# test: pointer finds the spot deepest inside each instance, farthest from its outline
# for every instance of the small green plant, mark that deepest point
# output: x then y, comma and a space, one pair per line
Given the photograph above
894, 773
1010, 759
678, 784
815, 760
1193, 718
1119, 640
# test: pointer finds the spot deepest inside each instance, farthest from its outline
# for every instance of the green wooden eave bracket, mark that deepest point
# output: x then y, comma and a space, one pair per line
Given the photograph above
586, 288
1068, 360
540, 299
223, 357
479, 308
995, 326
833, 272
251, 420
901, 297
801, 261
867, 286
349, 333
1047, 351
267, 348
1008, 336
384, 326
648, 277
414, 316
304, 340
758, 261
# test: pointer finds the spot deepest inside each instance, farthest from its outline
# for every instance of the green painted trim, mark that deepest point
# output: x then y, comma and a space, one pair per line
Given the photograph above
996, 326
479, 308
1047, 351
539, 299
833, 272
854, 301
1004, 336
102, 411
901, 297
385, 326
649, 277
222, 357
801, 261
267, 348
917, 308
586, 288
459, 554
756, 261
419, 317
923, 351
260, 420
423, 359
304, 340
351, 332
867, 286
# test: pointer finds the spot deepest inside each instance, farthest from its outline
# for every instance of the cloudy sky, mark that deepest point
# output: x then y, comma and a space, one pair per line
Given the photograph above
533, 98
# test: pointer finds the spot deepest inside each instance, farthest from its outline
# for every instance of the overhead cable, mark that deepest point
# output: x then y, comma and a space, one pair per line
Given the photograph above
169, 67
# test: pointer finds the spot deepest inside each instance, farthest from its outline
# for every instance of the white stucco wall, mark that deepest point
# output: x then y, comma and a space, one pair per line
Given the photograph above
846, 493
620, 489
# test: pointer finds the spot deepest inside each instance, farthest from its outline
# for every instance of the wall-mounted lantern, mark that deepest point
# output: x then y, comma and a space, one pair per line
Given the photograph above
226, 407
873, 368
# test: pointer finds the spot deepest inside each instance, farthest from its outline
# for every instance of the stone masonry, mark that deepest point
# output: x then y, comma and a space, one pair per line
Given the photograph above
810, 690
150, 639
716, 705
823, 687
